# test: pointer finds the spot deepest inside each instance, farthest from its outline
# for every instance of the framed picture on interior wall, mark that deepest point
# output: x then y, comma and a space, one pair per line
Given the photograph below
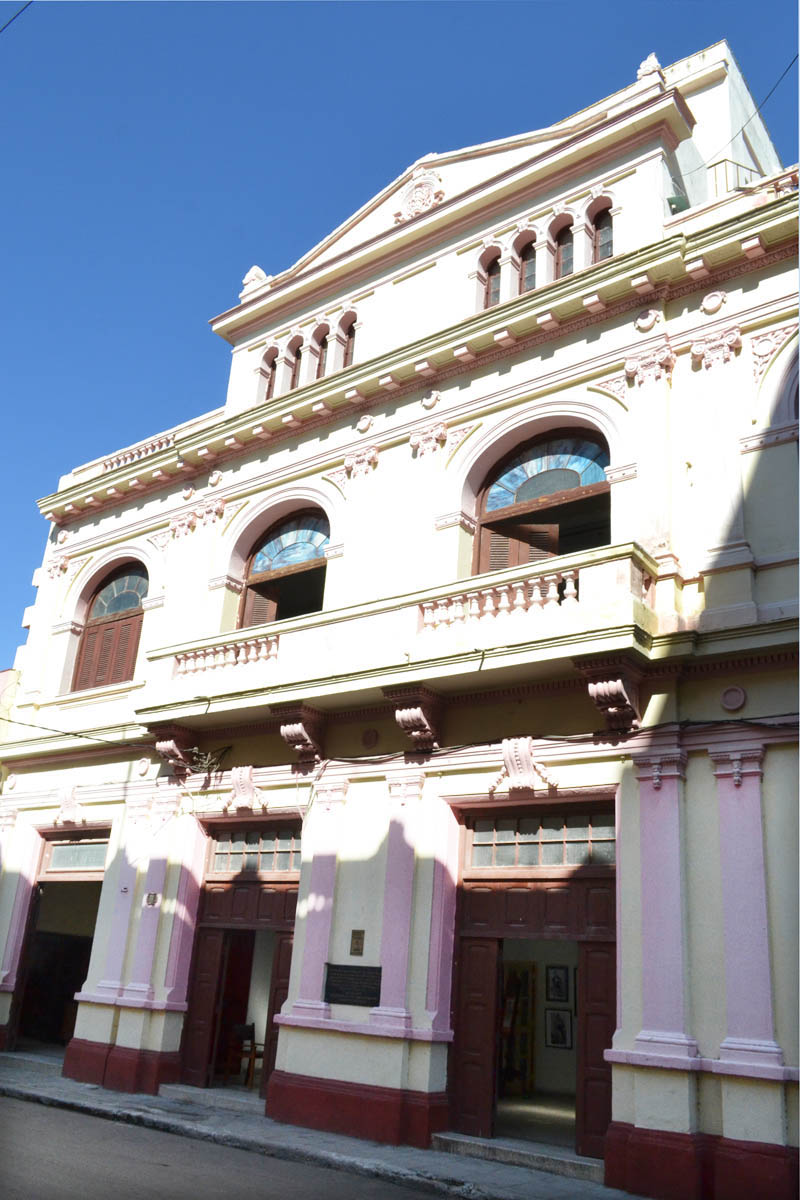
557, 984
558, 1028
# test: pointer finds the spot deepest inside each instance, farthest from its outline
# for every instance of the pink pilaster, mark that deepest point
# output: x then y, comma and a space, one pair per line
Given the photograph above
748, 982
184, 918
443, 917
28, 848
663, 1032
405, 793
324, 820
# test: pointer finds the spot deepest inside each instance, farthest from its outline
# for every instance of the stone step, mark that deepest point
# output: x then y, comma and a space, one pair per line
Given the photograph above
22, 1060
556, 1160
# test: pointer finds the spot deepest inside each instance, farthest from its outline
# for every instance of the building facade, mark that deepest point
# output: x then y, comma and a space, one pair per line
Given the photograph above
429, 709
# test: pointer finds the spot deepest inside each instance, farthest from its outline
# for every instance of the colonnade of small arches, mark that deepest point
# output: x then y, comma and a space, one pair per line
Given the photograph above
298, 360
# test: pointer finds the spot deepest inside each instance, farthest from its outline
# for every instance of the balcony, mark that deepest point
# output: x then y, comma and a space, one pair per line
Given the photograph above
503, 626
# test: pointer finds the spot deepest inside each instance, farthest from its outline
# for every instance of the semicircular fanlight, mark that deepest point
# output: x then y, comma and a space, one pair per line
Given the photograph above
298, 539
556, 465
122, 593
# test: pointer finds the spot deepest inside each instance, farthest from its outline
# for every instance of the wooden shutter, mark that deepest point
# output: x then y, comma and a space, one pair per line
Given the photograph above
259, 607
597, 974
108, 652
84, 670
474, 1055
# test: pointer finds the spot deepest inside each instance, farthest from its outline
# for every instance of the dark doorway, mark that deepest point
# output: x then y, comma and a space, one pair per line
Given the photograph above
56, 959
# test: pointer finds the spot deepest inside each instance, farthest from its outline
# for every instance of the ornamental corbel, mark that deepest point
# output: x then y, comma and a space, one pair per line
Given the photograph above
302, 728
245, 796
417, 711
173, 744
520, 768
613, 685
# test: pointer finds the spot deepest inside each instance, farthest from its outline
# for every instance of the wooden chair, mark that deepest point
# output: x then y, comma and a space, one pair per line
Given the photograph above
243, 1048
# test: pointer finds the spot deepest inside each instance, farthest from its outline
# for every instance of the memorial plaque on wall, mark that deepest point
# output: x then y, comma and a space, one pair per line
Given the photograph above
353, 985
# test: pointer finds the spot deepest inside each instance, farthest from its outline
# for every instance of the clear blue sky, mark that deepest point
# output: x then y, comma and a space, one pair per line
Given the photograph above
152, 152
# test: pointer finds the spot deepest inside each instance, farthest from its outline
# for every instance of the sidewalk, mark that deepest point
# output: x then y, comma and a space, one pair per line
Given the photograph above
198, 1113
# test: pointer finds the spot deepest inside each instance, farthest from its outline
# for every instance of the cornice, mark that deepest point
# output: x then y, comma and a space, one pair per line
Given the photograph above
318, 404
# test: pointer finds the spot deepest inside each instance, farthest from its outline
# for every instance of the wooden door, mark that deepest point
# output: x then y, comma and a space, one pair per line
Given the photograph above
597, 969
201, 1016
278, 991
474, 1056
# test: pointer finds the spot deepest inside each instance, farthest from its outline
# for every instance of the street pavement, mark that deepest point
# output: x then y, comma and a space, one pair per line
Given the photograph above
206, 1130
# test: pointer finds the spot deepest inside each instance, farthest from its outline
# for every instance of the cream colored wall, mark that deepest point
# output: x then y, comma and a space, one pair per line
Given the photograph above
780, 826
704, 912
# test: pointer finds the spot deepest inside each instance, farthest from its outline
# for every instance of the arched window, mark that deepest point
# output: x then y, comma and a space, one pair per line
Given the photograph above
270, 367
110, 638
322, 356
563, 253
297, 357
491, 291
602, 236
551, 497
349, 344
527, 268
286, 570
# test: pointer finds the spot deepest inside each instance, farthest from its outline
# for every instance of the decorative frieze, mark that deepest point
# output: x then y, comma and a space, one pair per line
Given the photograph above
142, 450
719, 348
206, 514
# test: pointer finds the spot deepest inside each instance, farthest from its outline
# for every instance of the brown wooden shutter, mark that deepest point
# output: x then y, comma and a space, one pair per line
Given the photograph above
259, 607
86, 655
123, 661
499, 551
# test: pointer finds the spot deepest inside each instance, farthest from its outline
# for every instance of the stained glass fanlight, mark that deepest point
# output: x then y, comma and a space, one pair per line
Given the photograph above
552, 466
124, 592
298, 539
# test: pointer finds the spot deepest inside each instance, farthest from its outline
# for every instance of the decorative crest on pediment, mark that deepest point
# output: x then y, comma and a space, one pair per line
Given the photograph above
422, 193
253, 281
650, 66
520, 768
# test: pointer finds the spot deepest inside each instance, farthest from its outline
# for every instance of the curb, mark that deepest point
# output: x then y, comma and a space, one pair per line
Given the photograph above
436, 1185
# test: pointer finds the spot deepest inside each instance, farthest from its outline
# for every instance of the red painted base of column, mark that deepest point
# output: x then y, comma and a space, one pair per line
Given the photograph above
401, 1118
685, 1166
120, 1068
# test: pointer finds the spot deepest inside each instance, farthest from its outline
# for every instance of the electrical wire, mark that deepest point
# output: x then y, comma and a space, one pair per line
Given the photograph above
755, 113
18, 13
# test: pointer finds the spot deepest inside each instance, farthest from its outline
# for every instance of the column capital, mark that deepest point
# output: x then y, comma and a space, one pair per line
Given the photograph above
663, 764
737, 763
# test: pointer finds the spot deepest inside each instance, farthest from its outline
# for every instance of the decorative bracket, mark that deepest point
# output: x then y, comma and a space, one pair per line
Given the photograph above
520, 768
244, 795
70, 812
172, 745
301, 728
417, 711
614, 688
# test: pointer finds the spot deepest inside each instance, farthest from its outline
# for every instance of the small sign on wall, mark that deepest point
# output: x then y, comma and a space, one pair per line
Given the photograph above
352, 985
356, 943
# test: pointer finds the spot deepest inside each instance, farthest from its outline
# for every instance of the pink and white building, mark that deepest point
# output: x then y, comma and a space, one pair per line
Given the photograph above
428, 708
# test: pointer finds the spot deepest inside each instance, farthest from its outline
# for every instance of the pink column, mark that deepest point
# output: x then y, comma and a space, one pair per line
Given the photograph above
324, 820
748, 982
184, 919
443, 920
663, 1032
405, 793
29, 845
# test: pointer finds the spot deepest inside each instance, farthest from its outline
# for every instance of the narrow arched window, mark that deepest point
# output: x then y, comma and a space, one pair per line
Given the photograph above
286, 570
491, 291
270, 368
322, 357
551, 497
296, 361
563, 253
602, 236
110, 639
349, 344
527, 268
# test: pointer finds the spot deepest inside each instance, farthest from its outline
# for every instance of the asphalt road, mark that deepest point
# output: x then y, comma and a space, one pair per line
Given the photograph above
52, 1154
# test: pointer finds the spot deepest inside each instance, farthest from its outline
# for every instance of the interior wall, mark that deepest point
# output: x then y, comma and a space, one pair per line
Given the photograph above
555, 1070
69, 908
260, 979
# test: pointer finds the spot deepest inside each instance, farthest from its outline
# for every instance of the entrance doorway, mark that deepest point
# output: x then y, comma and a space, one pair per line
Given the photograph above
56, 959
537, 1055
535, 975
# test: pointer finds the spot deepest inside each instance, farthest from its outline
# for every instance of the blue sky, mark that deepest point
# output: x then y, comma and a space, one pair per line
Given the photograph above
152, 152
